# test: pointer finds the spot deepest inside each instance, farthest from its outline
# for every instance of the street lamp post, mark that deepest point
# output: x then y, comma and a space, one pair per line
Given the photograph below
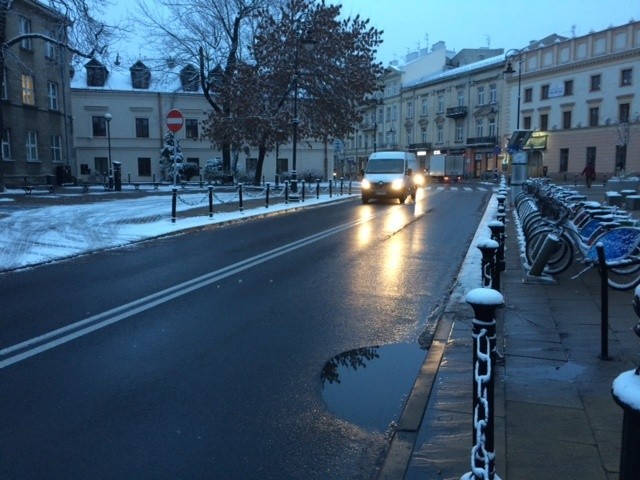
308, 45
509, 70
108, 117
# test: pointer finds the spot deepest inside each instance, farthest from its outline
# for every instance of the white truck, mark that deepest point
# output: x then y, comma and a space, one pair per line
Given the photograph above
446, 168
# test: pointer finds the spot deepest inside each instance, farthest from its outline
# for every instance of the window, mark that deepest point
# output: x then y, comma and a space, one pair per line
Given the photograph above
594, 114
459, 131
480, 127
544, 122
528, 95
595, 82
50, 48
144, 167
440, 133
423, 135
409, 138
409, 109
626, 77
566, 119
440, 103
56, 148
99, 126
568, 88
140, 75
564, 160
623, 112
425, 109
544, 92
492, 126
28, 94
96, 73
493, 93
25, 29
461, 98
191, 128
31, 146
6, 144
282, 165
52, 92
526, 121
621, 158
394, 112
101, 165
481, 96
142, 127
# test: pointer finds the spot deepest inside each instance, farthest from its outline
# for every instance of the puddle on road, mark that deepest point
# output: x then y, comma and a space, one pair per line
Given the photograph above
369, 386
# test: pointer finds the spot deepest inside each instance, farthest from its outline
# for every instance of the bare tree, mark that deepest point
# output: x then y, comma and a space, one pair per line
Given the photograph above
212, 34
77, 32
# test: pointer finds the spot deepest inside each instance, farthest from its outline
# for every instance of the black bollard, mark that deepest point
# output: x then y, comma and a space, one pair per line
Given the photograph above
497, 234
240, 195
266, 198
330, 189
484, 302
350, 185
317, 188
624, 392
341, 186
174, 198
604, 299
210, 201
286, 192
490, 276
303, 190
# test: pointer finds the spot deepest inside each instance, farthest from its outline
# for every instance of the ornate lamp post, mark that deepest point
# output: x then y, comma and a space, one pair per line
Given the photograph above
308, 43
513, 53
108, 117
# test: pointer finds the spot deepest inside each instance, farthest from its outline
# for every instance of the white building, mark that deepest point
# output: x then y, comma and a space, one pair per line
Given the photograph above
137, 101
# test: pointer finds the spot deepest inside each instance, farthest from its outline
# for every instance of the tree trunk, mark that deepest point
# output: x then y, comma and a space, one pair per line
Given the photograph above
262, 153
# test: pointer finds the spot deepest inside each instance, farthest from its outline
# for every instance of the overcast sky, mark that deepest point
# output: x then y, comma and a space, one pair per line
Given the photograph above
412, 24
409, 24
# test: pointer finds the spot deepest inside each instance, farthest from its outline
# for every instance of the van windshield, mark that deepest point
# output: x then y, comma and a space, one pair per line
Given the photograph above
385, 165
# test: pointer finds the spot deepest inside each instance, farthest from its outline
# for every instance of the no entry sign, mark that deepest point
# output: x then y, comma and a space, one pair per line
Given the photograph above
175, 120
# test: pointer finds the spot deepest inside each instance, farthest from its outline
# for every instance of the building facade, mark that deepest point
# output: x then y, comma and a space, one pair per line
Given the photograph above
578, 96
35, 97
136, 102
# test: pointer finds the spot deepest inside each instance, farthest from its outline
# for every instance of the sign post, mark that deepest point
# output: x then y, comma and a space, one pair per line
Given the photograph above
175, 121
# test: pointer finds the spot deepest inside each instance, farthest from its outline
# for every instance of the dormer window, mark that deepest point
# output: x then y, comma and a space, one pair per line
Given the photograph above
96, 73
140, 75
189, 79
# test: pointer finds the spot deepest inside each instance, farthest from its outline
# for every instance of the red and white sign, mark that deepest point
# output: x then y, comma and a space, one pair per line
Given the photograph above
175, 120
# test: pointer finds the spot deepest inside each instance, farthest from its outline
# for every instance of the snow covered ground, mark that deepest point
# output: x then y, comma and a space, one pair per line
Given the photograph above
33, 235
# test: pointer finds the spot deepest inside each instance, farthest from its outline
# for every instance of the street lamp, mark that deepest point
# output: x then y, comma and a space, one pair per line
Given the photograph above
108, 117
308, 43
509, 70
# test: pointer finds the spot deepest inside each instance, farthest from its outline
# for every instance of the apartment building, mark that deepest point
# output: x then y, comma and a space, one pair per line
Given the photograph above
35, 98
120, 116
578, 95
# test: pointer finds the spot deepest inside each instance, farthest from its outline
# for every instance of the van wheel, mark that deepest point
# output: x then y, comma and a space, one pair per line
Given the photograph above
402, 198
365, 200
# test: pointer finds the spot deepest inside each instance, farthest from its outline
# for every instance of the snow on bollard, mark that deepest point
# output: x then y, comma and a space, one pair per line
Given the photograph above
484, 302
488, 248
497, 233
626, 393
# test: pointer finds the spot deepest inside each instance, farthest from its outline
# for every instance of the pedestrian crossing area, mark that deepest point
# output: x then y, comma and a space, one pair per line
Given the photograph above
459, 188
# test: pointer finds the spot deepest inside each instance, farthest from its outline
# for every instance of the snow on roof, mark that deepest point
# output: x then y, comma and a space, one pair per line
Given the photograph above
471, 67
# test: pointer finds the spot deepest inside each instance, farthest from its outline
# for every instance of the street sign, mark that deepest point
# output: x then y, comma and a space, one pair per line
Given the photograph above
175, 120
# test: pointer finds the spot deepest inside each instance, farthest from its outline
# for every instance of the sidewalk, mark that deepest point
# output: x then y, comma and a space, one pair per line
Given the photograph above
554, 414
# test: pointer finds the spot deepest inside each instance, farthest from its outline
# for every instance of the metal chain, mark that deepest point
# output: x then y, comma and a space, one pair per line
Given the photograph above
481, 413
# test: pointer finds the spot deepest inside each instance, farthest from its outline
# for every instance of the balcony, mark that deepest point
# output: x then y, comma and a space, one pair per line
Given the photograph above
456, 112
482, 141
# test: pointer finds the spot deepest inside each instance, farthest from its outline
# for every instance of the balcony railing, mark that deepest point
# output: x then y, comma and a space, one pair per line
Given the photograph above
456, 112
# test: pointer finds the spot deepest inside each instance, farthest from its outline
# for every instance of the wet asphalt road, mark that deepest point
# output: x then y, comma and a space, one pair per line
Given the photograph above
199, 355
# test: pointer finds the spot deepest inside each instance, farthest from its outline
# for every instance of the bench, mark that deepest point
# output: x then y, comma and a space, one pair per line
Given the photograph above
28, 188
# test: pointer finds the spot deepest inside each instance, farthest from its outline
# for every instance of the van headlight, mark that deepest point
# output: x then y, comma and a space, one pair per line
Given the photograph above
365, 184
418, 179
397, 184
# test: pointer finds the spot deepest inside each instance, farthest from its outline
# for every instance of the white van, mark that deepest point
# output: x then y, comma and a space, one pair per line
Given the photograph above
391, 175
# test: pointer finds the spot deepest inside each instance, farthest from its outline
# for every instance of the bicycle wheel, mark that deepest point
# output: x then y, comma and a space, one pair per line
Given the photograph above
560, 259
624, 277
